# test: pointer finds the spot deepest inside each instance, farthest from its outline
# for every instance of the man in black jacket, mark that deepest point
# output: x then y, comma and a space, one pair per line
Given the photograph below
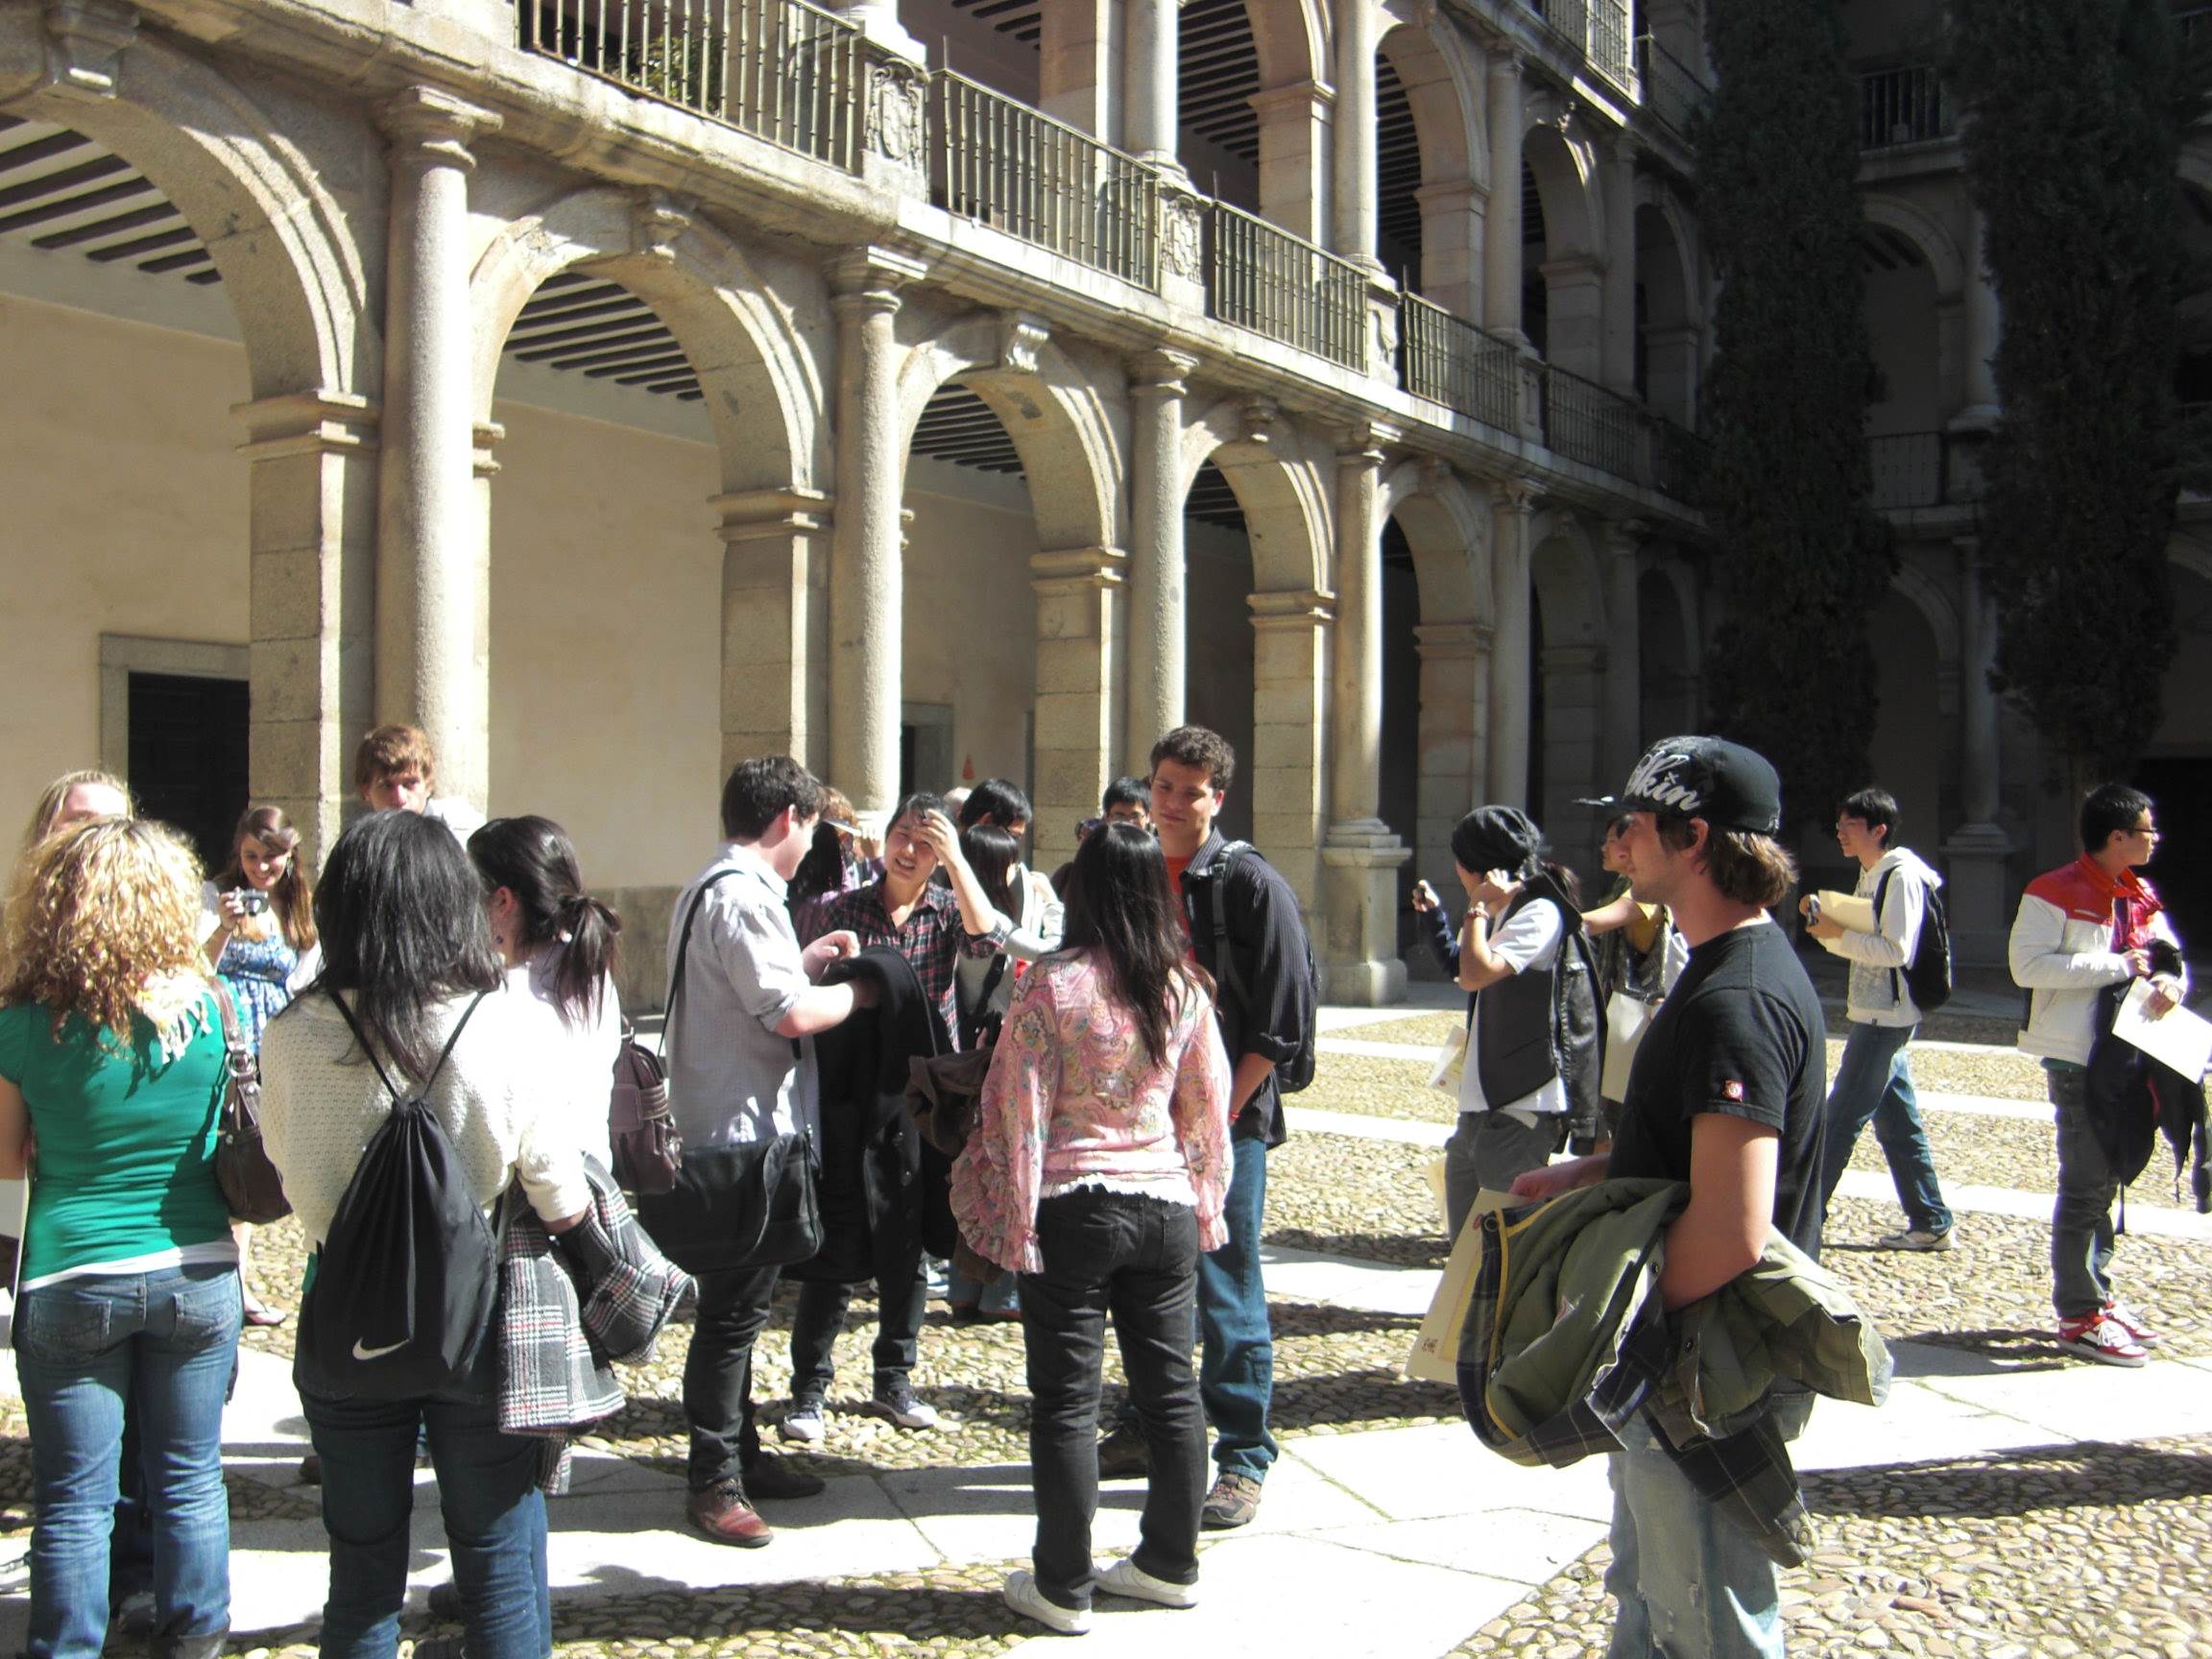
1265, 1003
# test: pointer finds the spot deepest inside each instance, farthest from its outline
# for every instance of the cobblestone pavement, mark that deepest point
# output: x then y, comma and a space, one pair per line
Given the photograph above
2100, 1550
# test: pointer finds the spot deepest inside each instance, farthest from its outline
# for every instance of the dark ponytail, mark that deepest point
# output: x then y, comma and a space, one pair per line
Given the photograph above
534, 859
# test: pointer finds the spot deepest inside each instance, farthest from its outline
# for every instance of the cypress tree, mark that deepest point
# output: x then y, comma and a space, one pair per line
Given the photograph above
1802, 559
2074, 118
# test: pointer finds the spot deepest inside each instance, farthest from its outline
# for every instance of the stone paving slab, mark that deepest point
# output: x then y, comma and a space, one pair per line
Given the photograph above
1428, 1474
1344, 1282
1525, 1546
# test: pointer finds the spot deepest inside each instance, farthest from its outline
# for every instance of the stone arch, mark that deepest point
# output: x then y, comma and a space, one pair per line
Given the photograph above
763, 390
1930, 598
1066, 430
1287, 515
1935, 245
1560, 158
1291, 39
1568, 662
289, 251
1445, 97
1670, 313
1449, 533
1914, 749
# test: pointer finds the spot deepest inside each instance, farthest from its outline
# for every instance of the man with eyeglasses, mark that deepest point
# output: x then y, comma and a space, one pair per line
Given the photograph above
2082, 927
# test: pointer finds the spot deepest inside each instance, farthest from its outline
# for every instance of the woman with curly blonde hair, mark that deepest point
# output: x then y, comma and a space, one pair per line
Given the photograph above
112, 1058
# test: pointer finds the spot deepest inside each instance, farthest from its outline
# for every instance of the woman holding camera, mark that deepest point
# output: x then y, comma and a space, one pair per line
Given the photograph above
258, 917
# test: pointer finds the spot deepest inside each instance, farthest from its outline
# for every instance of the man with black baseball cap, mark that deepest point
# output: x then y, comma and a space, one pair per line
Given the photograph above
1726, 1095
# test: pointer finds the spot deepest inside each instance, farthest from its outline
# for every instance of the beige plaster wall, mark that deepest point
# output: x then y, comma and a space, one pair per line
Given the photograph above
125, 512
606, 642
971, 615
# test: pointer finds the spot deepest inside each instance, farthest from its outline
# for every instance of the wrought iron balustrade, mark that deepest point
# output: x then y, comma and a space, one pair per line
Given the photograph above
1264, 278
1585, 423
1672, 88
782, 70
1006, 164
1908, 468
1906, 105
1450, 361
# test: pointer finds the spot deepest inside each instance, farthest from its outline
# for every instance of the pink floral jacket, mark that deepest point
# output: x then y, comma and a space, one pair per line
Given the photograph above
1070, 1101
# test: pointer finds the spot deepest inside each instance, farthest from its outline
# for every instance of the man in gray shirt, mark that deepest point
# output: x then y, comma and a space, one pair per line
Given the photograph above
740, 1059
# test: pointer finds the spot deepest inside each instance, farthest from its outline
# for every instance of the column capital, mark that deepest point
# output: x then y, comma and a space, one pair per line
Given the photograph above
86, 40
1258, 418
1452, 642
314, 423
1574, 269
1513, 496
433, 127
1299, 97
1072, 570
755, 515
1365, 443
1299, 607
658, 221
1159, 372
484, 438
1507, 61
1451, 191
868, 280
1021, 335
1624, 537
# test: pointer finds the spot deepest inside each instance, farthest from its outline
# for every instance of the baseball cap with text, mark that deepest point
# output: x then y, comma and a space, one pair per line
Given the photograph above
1730, 786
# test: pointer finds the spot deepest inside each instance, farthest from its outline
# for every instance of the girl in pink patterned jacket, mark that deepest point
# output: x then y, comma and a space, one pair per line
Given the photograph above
1097, 1168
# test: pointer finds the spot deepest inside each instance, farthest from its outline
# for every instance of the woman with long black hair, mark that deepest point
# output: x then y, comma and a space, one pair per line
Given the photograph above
561, 947
408, 945
1097, 1168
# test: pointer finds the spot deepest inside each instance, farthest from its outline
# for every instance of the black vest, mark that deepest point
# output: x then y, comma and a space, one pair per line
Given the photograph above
1542, 1022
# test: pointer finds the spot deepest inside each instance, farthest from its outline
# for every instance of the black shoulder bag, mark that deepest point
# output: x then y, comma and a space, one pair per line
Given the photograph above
752, 1205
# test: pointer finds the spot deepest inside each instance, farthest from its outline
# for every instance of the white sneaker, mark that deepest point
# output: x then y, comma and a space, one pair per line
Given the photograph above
1915, 1239
1025, 1598
1128, 1579
803, 1422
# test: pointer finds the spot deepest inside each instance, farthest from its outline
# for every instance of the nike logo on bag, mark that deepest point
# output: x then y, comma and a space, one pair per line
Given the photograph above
361, 1353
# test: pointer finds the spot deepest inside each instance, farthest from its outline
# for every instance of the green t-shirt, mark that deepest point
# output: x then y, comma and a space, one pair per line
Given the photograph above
124, 1177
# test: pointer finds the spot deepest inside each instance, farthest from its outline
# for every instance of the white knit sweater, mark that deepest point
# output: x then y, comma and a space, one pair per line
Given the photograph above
497, 1096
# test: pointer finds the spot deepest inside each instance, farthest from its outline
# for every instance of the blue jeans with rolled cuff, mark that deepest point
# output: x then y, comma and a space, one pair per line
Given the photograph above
1237, 1340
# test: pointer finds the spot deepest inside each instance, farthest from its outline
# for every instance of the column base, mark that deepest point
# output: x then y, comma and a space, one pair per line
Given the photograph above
1359, 948
1980, 895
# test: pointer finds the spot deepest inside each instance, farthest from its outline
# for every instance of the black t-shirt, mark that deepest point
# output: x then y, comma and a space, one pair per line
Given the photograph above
1741, 1034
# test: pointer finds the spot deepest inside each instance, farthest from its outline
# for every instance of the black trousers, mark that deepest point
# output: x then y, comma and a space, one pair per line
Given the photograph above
901, 1294
718, 1373
1137, 1258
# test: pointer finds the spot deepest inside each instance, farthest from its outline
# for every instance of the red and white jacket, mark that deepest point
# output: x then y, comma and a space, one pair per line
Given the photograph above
2062, 951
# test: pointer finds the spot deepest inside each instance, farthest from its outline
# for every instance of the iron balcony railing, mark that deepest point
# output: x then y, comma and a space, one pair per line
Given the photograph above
782, 70
1004, 163
1678, 461
1672, 88
1280, 285
1596, 30
1585, 423
1906, 105
1448, 360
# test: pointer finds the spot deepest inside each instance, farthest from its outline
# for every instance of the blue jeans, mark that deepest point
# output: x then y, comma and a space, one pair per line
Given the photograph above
167, 1341
1138, 1259
1874, 1081
1687, 1583
488, 1492
1236, 1360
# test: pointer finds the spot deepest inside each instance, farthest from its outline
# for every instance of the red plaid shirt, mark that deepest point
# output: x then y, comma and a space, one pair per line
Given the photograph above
932, 941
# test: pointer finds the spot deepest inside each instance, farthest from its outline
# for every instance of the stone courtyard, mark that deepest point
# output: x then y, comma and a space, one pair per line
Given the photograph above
2007, 1501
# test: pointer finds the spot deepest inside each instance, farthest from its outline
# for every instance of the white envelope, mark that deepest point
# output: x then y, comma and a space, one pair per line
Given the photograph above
2176, 1037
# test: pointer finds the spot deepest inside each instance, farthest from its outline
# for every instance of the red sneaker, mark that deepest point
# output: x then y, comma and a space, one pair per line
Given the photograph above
2132, 1322
2101, 1338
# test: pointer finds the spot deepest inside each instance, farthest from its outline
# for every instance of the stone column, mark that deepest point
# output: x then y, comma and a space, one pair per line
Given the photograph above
776, 668
1078, 615
1979, 408
1295, 125
1361, 853
1981, 896
1624, 739
1502, 228
1453, 718
1671, 362
1574, 315
866, 557
1289, 680
1149, 82
1158, 623
432, 558
1511, 506
1079, 66
1618, 358
1453, 212
1352, 220
312, 524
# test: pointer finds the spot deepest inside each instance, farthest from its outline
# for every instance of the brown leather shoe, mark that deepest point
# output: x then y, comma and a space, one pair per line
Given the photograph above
723, 1515
769, 1476
1122, 1455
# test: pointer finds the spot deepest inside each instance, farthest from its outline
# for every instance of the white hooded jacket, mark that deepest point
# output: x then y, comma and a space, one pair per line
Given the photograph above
1877, 994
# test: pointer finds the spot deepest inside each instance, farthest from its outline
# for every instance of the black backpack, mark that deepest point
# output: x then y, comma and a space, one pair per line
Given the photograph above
406, 1280
1928, 975
1298, 1071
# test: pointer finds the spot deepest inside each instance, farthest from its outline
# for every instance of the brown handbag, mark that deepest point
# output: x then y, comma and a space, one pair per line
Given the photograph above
251, 1185
641, 1134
